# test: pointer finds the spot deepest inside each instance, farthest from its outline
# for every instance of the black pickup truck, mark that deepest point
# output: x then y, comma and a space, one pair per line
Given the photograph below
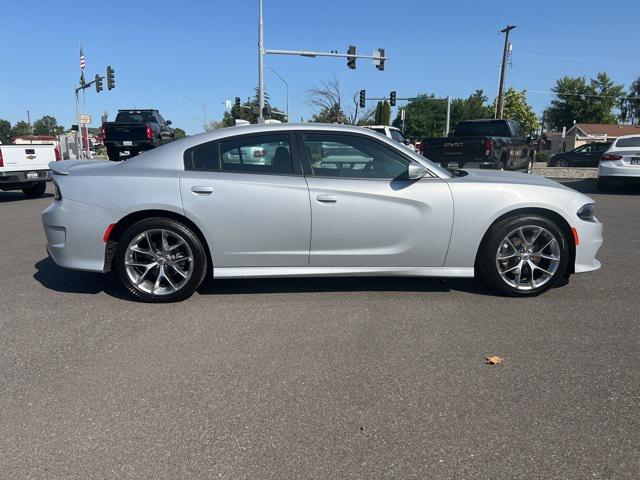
135, 131
495, 144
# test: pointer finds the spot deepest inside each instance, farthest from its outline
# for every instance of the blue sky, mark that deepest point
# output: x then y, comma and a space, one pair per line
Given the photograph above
207, 50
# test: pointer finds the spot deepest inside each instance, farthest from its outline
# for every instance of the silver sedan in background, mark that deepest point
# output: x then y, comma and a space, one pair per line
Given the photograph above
323, 200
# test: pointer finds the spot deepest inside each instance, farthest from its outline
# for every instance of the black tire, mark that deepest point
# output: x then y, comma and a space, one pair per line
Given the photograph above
36, 190
487, 262
561, 162
197, 251
113, 154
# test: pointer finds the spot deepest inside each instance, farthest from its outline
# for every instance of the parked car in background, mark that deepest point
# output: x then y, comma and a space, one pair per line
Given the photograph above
494, 144
328, 200
393, 133
26, 167
620, 163
584, 156
135, 131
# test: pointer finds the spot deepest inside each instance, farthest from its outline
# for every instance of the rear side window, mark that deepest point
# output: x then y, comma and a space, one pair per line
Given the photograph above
257, 154
628, 142
203, 157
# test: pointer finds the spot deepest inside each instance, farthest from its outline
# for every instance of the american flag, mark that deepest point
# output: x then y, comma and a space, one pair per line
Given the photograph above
82, 65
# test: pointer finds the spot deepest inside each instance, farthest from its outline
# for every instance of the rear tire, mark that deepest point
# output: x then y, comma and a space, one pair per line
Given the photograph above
523, 256
113, 154
160, 260
36, 190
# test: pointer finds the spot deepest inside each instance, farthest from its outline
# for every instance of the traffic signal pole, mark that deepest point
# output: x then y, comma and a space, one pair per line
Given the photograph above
380, 58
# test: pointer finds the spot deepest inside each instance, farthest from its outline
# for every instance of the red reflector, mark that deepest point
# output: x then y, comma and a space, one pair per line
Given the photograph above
107, 232
576, 238
1, 160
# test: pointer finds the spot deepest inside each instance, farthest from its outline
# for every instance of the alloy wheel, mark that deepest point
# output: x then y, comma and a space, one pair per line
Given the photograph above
528, 257
159, 262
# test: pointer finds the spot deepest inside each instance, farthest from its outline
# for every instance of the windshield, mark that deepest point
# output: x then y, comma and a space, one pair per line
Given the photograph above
397, 136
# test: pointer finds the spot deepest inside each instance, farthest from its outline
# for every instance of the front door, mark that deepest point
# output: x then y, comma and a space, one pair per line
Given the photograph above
250, 199
364, 210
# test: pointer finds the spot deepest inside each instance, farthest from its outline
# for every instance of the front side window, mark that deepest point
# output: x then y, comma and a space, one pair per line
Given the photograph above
257, 154
352, 156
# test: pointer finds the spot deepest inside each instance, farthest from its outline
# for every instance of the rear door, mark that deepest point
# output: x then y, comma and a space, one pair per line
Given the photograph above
248, 195
365, 212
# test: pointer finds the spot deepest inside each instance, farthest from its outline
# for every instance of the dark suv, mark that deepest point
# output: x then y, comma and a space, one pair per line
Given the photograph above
584, 156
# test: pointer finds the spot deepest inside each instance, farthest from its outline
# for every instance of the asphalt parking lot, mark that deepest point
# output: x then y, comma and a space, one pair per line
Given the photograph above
319, 378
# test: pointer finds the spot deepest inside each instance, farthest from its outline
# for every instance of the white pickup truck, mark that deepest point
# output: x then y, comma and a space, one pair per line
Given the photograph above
26, 167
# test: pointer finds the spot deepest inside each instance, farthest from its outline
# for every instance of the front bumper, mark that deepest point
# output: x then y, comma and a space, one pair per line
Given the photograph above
590, 241
74, 232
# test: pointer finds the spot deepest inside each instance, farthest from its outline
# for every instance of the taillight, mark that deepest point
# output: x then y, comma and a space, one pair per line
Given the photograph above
149, 132
58, 156
488, 148
1, 160
610, 157
103, 132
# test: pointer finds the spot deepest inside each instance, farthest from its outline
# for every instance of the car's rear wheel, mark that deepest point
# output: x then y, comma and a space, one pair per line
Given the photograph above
113, 154
524, 255
603, 186
36, 190
160, 260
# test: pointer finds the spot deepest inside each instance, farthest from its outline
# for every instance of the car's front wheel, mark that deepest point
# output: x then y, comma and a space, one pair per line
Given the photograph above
523, 255
160, 260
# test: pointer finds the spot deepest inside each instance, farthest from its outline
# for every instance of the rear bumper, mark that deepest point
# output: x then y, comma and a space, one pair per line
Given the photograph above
74, 233
135, 145
15, 180
615, 171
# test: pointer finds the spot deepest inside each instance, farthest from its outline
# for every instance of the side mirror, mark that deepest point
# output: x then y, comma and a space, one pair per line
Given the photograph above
416, 171
168, 122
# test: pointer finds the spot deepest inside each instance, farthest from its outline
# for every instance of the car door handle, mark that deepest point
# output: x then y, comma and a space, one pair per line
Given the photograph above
202, 190
327, 198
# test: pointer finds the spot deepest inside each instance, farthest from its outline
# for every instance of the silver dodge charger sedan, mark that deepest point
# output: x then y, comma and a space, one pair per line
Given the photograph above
311, 200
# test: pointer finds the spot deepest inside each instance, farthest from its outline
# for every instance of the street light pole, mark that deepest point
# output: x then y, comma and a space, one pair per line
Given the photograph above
260, 65
503, 69
285, 84
204, 108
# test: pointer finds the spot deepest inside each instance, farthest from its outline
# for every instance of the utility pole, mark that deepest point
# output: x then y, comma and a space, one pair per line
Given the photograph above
503, 69
446, 131
29, 122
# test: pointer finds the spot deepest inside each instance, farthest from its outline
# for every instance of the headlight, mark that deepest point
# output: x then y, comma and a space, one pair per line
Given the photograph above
586, 212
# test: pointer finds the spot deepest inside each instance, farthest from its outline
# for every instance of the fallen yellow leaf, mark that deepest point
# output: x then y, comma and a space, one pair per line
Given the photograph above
494, 360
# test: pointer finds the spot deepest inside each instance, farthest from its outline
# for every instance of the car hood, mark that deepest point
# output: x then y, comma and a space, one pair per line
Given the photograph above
508, 178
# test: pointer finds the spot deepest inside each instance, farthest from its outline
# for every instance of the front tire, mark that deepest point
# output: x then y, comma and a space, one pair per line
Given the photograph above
562, 163
36, 190
160, 260
523, 255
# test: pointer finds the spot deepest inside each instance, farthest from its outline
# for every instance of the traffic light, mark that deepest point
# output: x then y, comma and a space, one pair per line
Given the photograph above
351, 59
392, 98
98, 82
111, 78
380, 65
363, 98
237, 102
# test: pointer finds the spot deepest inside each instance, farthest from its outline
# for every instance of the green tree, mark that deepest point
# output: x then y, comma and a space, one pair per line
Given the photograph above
179, 133
47, 125
248, 111
21, 128
517, 108
584, 102
383, 113
630, 107
5, 131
